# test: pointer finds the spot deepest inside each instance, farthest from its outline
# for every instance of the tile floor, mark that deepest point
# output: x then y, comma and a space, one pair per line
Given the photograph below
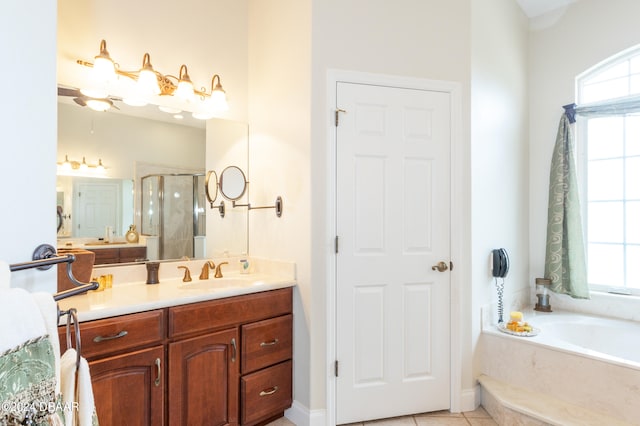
478, 417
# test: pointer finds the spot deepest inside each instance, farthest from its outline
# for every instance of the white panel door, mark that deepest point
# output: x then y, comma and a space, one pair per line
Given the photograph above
393, 225
96, 205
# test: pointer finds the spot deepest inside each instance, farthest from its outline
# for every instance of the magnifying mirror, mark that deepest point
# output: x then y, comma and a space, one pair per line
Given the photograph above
211, 186
233, 183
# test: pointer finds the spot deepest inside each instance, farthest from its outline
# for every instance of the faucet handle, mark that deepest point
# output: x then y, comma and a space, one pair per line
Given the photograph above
187, 274
218, 270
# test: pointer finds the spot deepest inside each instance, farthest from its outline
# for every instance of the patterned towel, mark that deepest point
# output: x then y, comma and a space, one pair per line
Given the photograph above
27, 363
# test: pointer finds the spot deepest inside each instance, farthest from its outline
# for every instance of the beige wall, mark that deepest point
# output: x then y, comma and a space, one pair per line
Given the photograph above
416, 38
499, 153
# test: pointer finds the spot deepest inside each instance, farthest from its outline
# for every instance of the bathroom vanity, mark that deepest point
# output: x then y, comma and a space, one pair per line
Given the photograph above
205, 354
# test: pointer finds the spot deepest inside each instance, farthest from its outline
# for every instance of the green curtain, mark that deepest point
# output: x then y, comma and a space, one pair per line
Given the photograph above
565, 263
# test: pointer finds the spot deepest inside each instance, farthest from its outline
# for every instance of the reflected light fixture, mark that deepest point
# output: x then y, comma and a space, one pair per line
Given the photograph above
83, 167
149, 82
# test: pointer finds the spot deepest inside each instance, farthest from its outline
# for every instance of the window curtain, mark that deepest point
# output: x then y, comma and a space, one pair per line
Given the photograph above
565, 262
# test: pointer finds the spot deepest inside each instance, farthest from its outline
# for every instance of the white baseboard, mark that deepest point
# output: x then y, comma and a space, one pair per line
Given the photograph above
470, 398
302, 416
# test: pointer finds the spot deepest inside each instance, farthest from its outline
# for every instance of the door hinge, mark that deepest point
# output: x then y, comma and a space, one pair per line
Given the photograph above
335, 368
337, 117
336, 244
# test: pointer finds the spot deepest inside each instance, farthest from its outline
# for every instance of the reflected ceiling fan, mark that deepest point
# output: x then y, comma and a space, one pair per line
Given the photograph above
97, 104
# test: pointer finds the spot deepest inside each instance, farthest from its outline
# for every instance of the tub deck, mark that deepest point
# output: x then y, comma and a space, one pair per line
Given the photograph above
584, 379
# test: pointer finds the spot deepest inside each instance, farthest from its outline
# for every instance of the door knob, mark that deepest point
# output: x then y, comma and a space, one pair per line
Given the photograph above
440, 267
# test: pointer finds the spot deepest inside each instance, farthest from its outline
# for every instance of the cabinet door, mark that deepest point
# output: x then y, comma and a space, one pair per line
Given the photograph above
203, 380
129, 389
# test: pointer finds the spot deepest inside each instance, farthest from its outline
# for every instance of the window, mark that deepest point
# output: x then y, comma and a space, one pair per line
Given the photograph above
609, 172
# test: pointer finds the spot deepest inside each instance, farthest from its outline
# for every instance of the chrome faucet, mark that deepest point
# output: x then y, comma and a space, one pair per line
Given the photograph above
218, 271
204, 275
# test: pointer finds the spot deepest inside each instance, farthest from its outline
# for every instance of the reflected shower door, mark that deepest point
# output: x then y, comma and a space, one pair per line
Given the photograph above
173, 210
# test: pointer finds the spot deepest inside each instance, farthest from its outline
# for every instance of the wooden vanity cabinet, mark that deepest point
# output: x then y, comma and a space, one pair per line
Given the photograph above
221, 362
126, 358
264, 317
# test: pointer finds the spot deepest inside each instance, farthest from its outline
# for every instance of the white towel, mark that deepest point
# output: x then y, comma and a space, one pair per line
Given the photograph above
80, 403
19, 319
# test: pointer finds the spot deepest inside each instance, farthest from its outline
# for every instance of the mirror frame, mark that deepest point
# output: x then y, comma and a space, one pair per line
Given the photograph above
233, 181
211, 187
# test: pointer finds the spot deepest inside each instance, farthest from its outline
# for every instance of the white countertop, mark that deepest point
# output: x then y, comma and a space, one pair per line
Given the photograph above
138, 297
130, 297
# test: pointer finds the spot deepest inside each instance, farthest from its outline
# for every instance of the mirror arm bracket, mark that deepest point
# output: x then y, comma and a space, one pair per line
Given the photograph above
278, 206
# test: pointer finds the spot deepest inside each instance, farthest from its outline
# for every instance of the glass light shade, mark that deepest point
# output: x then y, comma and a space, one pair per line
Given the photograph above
203, 115
103, 69
218, 100
98, 104
66, 165
135, 100
184, 90
169, 110
95, 91
148, 82
83, 166
100, 166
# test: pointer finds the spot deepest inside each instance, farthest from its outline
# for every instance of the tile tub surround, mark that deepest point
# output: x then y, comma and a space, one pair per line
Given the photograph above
603, 387
131, 294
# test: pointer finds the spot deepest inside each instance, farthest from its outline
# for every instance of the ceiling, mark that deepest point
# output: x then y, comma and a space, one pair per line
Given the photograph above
534, 8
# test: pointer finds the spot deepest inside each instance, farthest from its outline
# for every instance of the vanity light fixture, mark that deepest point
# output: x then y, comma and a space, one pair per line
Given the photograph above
150, 82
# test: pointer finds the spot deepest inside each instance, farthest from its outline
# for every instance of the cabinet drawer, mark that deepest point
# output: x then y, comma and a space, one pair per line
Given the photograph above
265, 393
132, 254
117, 334
198, 318
266, 342
106, 255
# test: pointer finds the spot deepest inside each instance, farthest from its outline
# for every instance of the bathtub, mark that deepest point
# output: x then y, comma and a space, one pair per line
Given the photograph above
584, 360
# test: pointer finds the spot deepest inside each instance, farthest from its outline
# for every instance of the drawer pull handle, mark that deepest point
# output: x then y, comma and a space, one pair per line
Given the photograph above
271, 343
233, 350
267, 392
99, 339
158, 372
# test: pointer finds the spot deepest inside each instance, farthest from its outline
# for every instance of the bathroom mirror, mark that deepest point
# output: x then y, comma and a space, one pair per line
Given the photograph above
233, 183
133, 147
